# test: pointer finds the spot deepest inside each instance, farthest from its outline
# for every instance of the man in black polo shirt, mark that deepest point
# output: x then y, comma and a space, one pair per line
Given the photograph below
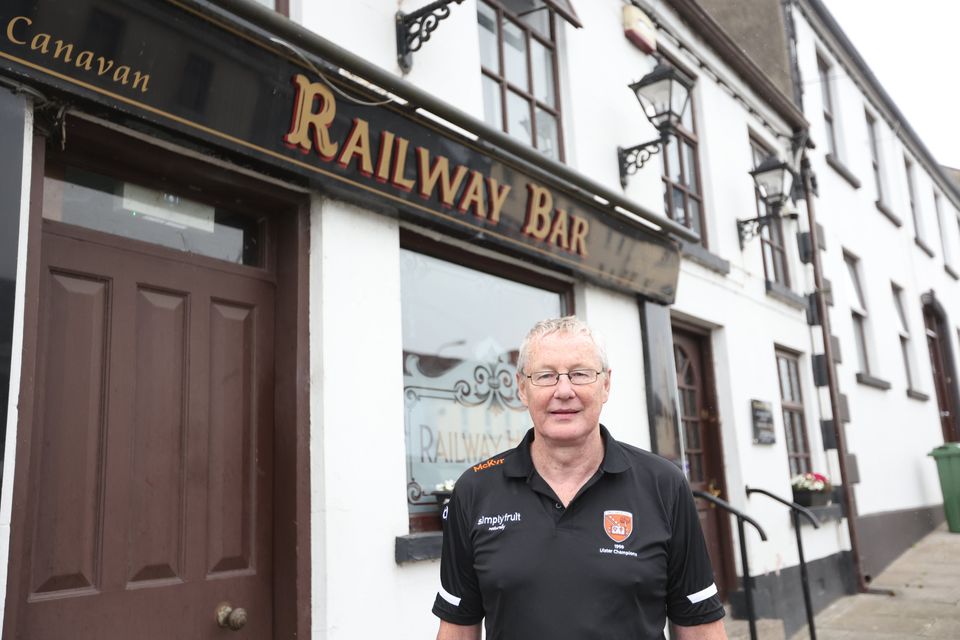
573, 535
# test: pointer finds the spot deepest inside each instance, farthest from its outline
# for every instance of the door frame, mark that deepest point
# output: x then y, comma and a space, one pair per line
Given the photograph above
938, 313
704, 335
289, 258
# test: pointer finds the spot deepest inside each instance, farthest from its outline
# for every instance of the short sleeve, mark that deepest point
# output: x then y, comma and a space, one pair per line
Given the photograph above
692, 596
458, 601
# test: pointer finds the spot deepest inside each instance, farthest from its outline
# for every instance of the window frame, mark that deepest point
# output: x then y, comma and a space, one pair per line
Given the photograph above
915, 211
824, 70
682, 137
904, 331
412, 240
774, 227
875, 157
858, 311
506, 87
799, 458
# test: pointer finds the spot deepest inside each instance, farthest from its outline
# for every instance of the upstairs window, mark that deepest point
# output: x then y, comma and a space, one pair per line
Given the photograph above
875, 157
518, 62
912, 194
771, 235
682, 193
826, 95
944, 244
904, 330
794, 422
858, 312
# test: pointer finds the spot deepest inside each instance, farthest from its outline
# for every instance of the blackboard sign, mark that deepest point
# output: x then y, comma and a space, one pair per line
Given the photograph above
763, 432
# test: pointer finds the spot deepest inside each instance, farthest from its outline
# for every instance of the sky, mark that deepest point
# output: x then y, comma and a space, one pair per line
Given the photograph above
913, 48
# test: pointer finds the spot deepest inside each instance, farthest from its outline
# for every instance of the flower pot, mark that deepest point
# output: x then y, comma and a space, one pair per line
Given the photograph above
807, 498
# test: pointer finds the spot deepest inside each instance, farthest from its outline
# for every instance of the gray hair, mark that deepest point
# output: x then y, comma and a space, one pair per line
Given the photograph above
570, 325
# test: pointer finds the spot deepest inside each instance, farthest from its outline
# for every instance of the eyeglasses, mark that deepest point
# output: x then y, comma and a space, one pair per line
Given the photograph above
551, 378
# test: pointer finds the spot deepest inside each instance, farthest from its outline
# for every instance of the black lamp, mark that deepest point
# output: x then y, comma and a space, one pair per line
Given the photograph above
663, 94
774, 179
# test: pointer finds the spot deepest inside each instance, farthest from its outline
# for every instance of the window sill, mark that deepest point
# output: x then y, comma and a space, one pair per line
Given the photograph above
825, 513
951, 272
841, 169
779, 292
870, 381
891, 216
697, 253
917, 395
923, 245
416, 547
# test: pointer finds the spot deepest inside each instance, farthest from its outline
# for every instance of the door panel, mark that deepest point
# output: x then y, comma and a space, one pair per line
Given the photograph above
940, 362
151, 468
703, 448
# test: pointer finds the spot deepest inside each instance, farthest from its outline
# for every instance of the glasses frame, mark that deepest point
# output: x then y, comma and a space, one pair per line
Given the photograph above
557, 374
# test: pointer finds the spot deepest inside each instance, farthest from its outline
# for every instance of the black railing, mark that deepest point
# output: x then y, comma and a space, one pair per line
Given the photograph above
796, 511
747, 580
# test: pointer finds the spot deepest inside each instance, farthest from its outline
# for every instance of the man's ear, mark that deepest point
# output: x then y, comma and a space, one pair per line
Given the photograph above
521, 388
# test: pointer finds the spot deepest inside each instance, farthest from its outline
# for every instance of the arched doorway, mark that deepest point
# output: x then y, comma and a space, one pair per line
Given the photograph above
941, 361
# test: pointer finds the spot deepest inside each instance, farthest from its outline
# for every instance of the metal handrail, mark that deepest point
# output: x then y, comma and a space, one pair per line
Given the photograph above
797, 510
747, 580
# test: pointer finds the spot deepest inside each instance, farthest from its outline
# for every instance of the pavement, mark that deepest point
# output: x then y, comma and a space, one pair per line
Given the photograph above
925, 582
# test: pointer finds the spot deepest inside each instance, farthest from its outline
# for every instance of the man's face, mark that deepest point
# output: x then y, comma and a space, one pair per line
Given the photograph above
565, 412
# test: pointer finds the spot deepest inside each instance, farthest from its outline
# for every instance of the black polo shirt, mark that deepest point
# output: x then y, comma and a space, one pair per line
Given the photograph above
624, 554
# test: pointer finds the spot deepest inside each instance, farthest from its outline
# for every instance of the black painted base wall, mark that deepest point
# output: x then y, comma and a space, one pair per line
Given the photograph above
781, 596
885, 536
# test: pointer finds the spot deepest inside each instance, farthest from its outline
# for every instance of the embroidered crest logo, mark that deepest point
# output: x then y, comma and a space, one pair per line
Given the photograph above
618, 524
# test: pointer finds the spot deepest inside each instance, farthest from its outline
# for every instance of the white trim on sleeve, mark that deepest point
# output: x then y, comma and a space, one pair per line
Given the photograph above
454, 600
699, 596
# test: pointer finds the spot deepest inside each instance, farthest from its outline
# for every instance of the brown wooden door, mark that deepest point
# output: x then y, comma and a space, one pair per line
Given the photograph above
703, 447
150, 465
942, 371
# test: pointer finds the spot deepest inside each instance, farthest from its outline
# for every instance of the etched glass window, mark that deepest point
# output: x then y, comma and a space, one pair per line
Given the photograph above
462, 328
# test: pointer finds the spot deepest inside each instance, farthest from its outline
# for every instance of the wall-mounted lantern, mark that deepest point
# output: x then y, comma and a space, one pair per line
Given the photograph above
773, 179
663, 94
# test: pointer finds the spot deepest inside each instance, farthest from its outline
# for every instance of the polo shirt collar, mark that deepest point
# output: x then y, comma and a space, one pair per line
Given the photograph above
520, 465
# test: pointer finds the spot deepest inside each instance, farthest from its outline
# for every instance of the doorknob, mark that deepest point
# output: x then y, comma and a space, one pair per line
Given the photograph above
231, 618
713, 490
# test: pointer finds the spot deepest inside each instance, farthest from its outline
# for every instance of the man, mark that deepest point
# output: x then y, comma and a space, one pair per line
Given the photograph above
573, 535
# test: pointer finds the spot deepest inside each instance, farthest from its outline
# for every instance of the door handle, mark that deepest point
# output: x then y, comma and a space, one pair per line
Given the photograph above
713, 490
231, 618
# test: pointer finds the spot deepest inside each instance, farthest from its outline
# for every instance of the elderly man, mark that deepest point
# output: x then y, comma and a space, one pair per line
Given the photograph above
573, 535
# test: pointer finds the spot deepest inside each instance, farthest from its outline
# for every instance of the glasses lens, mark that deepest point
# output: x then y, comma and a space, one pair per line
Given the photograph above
582, 376
544, 378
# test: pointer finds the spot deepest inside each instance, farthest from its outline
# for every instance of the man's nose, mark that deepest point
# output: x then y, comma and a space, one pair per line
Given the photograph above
564, 388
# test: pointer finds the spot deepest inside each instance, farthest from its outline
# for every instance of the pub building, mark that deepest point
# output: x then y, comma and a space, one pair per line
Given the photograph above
222, 236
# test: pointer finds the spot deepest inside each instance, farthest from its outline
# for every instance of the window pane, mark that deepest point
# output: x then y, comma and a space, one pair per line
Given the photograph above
693, 209
673, 160
518, 117
861, 339
905, 350
542, 63
515, 55
690, 166
102, 203
487, 19
547, 135
491, 103
534, 14
459, 366
679, 214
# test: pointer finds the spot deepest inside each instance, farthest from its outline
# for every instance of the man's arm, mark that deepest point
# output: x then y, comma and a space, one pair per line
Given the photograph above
450, 631
710, 631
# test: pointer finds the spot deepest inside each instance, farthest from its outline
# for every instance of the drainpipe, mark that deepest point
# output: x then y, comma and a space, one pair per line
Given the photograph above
832, 386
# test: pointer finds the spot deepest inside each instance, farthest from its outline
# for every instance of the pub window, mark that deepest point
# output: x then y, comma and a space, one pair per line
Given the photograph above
771, 235
462, 327
904, 330
858, 312
791, 403
912, 194
875, 156
518, 63
826, 97
682, 193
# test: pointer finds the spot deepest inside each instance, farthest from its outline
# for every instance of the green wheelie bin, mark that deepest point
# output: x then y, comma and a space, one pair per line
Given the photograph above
948, 464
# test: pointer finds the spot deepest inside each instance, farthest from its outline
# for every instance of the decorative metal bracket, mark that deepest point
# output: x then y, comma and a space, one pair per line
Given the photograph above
749, 229
413, 29
633, 158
